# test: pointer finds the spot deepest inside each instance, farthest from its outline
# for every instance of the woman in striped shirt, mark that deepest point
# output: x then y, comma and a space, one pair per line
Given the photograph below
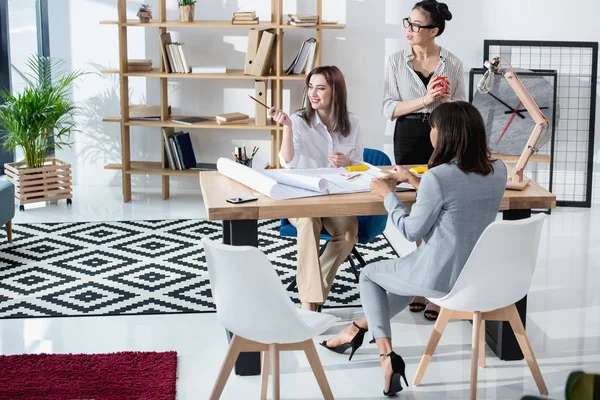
414, 87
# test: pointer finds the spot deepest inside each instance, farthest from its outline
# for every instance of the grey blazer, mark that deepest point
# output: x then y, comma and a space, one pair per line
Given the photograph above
452, 209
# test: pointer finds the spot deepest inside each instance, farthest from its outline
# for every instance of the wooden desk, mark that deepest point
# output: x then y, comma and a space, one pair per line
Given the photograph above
240, 227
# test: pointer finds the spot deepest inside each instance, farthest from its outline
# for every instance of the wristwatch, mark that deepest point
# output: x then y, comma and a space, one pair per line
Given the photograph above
507, 122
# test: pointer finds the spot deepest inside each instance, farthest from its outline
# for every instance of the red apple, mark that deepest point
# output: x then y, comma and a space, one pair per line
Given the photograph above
443, 83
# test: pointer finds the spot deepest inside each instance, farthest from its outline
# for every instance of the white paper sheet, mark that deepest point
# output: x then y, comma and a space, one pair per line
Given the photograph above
260, 182
297, 183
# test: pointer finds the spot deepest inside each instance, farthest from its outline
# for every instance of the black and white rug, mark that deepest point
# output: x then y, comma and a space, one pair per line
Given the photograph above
135, 267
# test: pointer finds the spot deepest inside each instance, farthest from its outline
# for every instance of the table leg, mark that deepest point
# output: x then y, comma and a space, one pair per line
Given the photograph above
499, 335
243, 233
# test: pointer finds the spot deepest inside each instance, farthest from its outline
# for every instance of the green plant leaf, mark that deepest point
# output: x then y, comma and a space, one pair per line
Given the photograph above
44, 106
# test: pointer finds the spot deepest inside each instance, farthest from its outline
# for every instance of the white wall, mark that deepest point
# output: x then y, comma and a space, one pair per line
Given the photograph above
374, 30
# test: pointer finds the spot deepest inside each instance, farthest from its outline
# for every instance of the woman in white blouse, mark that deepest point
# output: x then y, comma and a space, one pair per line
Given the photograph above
413, 90
323, 134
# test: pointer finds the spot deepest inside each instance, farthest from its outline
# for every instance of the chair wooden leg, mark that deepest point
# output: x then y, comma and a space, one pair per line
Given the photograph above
9, 231
264, 386
519, 330
482, 345
274, 353
317, 368
438, 330
475, 354
232, 354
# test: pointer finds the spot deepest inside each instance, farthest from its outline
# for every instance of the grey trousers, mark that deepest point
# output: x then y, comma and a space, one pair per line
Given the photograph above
384, 292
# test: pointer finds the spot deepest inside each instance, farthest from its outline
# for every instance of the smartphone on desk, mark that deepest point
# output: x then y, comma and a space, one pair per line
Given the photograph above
242, 199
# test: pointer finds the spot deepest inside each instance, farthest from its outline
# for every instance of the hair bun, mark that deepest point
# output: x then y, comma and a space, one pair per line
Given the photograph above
443, 11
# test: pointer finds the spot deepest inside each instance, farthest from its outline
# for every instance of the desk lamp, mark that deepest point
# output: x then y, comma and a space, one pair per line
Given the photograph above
516, 181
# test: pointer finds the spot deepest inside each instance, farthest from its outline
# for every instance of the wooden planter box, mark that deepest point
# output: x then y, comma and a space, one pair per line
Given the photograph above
186, 13
52, 182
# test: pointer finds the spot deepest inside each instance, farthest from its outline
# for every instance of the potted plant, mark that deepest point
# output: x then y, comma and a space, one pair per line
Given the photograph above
186, 10
145, 13
38, 119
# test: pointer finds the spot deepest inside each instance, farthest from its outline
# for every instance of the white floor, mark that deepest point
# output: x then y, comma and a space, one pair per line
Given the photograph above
563, 320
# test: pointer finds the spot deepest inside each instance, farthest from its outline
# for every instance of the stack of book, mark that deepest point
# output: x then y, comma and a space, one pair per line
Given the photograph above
139, 65
173, 55
244, 18
304, 61
232, 118
303, 20
179, 153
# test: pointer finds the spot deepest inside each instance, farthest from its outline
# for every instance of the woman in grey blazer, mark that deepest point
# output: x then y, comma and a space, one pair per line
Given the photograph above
457, 198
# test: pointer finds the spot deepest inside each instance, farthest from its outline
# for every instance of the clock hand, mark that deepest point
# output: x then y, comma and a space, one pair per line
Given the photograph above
524, 111
506, 105
509, 122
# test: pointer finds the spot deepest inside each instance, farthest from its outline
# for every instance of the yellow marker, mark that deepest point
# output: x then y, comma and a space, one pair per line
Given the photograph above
418, 170
357, 167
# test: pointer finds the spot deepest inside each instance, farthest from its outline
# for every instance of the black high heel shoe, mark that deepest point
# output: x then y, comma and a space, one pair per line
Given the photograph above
399, 370
355, 343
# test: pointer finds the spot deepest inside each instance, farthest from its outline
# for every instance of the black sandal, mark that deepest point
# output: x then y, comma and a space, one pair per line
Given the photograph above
431, 315
417, 306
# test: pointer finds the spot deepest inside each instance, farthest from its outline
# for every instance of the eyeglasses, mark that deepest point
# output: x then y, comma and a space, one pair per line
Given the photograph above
416, 27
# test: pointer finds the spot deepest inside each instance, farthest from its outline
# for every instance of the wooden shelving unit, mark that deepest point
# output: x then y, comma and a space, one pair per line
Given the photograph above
277, 77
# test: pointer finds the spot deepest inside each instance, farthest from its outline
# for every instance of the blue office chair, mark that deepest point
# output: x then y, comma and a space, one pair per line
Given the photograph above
369, 227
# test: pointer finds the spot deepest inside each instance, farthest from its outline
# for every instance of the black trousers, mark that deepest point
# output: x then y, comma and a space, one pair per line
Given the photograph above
411, 141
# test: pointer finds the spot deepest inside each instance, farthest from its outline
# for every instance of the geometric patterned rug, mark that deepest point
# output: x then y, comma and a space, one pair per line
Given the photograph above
135, 267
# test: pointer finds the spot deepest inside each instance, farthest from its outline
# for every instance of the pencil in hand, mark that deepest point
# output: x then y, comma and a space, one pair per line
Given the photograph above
260, 102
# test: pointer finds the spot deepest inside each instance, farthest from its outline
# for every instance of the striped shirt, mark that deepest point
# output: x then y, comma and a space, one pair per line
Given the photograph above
402, 82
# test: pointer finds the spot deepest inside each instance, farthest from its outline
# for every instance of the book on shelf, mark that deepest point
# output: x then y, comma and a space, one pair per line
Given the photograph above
165, 40
235, 21
304, 61
183, 143
179, 152
141, 62
189, 120
229, 117
244, 18
236, 122
168, 133
303, 20
217, 69
146, 112
244, 14
205, 167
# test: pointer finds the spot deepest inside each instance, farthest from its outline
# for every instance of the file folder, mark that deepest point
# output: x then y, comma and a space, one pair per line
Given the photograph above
260, 93
253, 42
262, 61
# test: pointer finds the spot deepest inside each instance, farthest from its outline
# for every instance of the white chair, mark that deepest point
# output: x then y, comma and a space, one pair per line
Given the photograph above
496, 276
253, 305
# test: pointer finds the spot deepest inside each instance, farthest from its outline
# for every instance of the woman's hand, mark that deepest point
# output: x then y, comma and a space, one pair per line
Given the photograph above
338, 159
400, 174
280, 117
381, 186
445, 98
432, 93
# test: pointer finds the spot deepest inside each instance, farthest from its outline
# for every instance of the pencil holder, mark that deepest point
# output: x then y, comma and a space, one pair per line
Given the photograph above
247, 162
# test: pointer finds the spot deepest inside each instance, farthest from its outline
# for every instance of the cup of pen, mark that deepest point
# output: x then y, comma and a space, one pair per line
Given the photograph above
242, 157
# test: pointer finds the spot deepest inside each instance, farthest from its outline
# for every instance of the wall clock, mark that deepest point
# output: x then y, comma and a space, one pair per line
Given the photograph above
508, 124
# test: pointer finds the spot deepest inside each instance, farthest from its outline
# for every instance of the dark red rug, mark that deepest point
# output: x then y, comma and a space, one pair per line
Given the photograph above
123, 376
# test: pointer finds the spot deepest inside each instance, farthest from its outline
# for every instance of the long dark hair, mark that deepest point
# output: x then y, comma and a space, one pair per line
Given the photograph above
461, 137
438, 13
340, 122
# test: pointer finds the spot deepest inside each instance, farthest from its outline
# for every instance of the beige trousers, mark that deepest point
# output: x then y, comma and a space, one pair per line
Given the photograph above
315, 274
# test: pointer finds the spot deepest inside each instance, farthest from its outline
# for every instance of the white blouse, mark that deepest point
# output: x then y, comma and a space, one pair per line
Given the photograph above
402, 82
313, 143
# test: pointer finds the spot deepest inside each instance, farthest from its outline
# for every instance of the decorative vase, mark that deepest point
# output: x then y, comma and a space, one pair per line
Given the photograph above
186, 13
145, 16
